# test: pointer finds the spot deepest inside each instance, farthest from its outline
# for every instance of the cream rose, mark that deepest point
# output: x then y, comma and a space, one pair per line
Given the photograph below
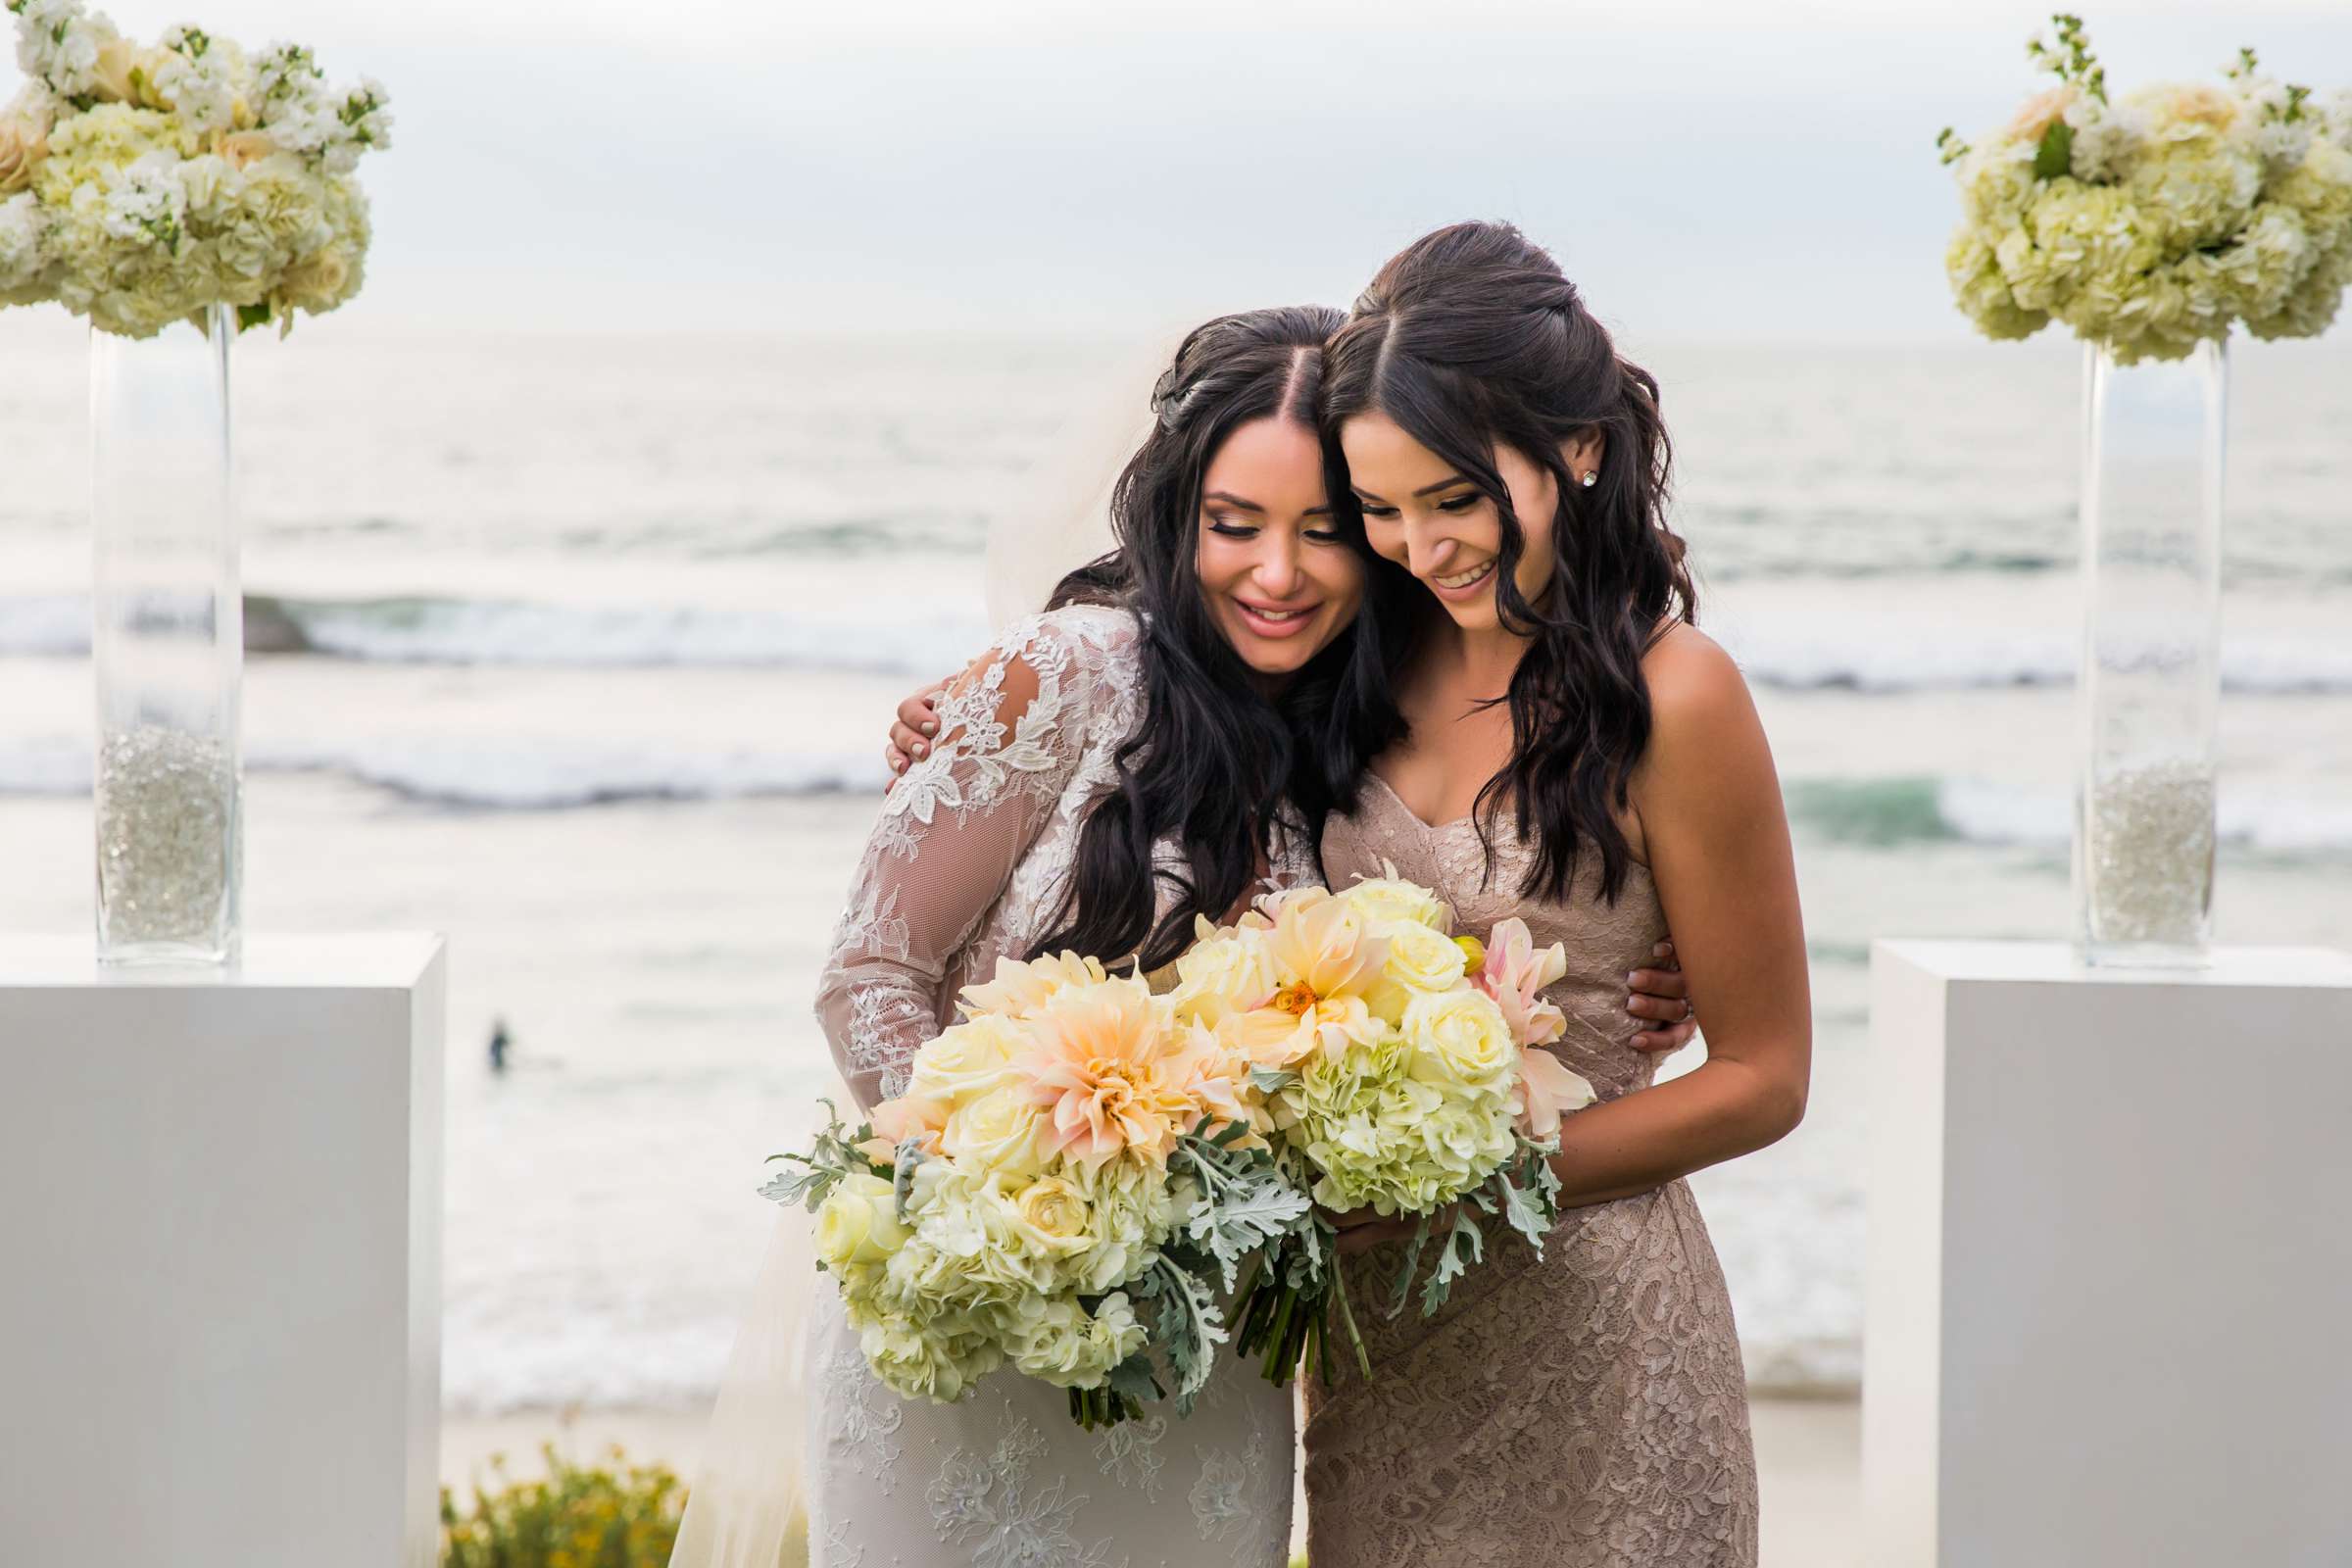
1463, 1034
1051, 1215
859, 1223
243, 147
1391, 901
1000, 1130
1224, 972
1421, 960
316, 282
968, 1059
116, 76
24, 143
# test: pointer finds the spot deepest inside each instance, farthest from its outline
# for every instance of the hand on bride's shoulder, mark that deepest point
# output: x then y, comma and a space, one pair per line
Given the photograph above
914, 727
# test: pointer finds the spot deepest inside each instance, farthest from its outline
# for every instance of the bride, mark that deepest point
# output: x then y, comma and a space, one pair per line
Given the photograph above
1145, 751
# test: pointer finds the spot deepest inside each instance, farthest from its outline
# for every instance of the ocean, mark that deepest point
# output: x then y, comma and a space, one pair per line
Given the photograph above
603, 632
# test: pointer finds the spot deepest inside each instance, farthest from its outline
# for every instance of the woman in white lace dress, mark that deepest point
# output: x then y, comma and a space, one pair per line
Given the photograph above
1048, 814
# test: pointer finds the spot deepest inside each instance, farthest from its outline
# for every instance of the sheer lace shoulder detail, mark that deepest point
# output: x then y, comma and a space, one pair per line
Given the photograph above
1024, 733
1015, 721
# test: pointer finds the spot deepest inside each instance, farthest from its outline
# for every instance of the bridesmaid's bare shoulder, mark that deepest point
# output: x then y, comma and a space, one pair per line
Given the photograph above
1693, 683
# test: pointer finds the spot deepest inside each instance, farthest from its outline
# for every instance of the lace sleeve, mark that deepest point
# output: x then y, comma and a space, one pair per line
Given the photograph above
1011, 737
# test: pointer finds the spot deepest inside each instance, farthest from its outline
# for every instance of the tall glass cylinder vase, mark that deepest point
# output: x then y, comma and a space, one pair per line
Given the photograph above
169, 646
2153, 444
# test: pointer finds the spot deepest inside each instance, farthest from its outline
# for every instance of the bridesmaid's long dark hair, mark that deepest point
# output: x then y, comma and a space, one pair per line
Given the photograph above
1215, 757
1471, 338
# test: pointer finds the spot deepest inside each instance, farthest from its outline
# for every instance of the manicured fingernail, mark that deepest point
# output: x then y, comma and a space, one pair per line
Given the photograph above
930, 729
1633, 977
920, 750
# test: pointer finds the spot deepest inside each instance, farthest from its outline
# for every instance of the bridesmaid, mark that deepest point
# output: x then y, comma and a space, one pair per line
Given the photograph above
1583, 757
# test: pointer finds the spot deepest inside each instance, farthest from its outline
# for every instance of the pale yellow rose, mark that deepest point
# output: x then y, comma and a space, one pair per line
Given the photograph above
1462, 1033
968, 1059
1226, 971
1001, 1130
859, 1223
1421, 960
1051, 1215
1391, 900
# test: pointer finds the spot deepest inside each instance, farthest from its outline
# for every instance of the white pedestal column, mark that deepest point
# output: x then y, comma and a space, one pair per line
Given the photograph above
2108, 1260
220, 1227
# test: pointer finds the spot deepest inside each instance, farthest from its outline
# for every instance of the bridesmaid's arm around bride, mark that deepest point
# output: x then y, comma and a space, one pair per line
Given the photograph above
1711, 826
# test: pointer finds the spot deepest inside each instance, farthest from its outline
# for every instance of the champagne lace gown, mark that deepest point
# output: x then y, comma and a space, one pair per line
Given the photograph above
1588, 1411
966, 861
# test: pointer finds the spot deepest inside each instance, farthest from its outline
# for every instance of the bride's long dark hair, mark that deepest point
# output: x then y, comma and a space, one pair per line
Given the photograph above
1216, 758
1470, 339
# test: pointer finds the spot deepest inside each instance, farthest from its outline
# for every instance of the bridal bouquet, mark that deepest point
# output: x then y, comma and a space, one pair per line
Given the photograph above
141, 184
2155, 221
1399, 1072
1071, 1180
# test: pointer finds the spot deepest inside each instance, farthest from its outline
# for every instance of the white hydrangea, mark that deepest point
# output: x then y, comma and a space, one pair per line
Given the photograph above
145, 205
145, 184
2181, 212
22, 257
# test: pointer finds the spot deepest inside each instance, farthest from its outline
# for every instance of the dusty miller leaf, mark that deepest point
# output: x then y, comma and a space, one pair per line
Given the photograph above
1465, 1237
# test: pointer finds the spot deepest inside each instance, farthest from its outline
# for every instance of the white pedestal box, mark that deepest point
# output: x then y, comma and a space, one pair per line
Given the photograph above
2109, 1260
221, 1226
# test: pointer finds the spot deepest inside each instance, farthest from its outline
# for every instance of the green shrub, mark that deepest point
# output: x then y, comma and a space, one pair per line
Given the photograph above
617, 1515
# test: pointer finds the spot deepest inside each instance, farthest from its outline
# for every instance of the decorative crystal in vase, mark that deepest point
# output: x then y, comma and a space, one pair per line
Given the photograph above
167, 644
2153, 440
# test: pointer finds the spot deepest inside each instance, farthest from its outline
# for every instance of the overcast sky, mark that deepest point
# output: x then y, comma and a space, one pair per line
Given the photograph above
1703, 169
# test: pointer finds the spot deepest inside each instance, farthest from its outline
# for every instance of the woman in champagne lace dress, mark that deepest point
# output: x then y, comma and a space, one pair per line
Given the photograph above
1580, 757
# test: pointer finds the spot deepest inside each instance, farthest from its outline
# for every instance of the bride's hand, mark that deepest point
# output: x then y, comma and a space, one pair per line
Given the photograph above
911, 732
1662, 994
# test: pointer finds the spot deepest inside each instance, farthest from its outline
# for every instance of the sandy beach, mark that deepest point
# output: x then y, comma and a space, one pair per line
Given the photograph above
1808, 1458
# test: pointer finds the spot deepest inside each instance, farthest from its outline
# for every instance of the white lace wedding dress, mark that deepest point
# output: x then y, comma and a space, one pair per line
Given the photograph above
968, 861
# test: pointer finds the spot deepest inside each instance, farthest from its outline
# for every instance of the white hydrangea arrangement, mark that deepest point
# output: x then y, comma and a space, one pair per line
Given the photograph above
2156, 223
141, 184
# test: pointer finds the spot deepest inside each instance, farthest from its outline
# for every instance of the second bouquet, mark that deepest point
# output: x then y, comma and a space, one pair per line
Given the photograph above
1400, 1072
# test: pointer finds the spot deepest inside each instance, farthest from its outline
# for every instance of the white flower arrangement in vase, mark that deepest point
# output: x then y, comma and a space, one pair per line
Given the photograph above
2153, 224
140, 185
